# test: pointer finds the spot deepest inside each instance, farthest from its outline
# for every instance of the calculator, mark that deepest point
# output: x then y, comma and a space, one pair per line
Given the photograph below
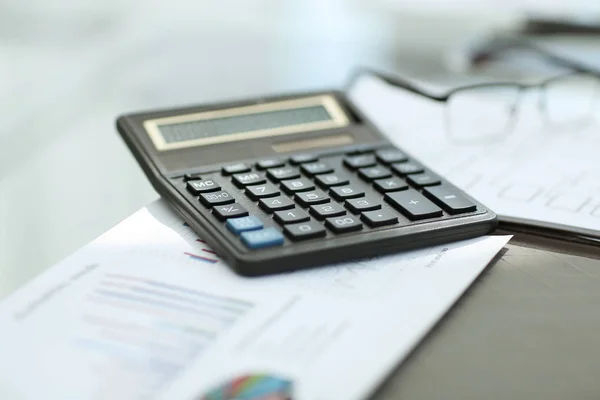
290, 182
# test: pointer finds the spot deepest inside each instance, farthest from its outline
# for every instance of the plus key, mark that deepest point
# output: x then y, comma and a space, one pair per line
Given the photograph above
413, 204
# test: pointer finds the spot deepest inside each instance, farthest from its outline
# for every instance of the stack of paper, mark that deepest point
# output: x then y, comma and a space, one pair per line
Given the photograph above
538, 173
148, 311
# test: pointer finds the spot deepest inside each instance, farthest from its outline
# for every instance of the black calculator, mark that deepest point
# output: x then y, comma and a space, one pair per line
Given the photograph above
291, 182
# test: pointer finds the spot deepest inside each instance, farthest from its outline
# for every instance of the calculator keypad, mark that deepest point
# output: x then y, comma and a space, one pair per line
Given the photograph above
306, 197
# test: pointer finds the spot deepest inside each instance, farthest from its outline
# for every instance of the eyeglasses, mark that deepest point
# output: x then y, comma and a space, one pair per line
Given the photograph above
488, 111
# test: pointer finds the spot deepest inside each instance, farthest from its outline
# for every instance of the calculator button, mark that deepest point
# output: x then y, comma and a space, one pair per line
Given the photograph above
229, 211
303, 158
449, 199
262, 238
239, 225
390, 156
291, 216
306, 199
273, 204
363, 204
197, 187
379, 218
345, 192
422, 180
251, 178
327, 181
280, 174
362, 161
408, 168
372, 173
190, 177
269, 163
297, 185
413, 204
216, 198
390, 185
256, 192
323, 211
312, 169
346, 223
304, 230
235, 169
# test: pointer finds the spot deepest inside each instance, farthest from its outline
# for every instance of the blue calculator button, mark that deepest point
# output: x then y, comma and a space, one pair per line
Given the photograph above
263, 238
239, 225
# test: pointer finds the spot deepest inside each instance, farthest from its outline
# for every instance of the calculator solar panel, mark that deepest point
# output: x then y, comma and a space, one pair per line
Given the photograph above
293, 182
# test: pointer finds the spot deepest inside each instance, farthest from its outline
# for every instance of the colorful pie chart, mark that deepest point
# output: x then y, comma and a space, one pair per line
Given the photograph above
253, 387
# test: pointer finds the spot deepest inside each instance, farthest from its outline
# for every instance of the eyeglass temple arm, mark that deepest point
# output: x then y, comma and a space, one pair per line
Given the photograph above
394, 81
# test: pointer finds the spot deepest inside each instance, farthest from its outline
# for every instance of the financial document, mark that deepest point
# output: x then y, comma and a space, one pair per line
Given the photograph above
539, 174
149, 311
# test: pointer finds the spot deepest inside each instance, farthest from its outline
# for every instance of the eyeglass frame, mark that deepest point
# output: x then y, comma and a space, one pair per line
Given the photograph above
500, 44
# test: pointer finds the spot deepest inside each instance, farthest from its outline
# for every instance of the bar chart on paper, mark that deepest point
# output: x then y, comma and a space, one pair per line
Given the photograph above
143, 332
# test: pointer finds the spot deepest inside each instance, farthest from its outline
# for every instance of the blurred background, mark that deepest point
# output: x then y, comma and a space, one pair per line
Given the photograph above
69, 67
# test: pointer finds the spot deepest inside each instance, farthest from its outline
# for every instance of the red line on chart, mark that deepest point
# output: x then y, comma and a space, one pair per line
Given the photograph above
210, 251
200, 258
201, 241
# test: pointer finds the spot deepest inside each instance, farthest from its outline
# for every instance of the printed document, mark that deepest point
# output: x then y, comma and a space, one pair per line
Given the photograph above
539, 174
148, 311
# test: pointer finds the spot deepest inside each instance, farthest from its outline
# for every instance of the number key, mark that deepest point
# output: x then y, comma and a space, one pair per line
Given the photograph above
273, 204
346, 223
304, 230
323, 211
291, 216
261, 191
306, 199
297, 185
346, 192
327, 181
363, 204
216, 198
312, 169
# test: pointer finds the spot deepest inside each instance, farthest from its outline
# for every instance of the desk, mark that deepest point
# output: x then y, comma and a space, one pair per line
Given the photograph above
527, 329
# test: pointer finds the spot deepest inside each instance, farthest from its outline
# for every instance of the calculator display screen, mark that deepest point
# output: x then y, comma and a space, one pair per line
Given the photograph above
248, 122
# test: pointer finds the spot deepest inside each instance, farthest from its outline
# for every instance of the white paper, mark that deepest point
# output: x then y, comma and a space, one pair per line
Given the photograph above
148, 311
538, 174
